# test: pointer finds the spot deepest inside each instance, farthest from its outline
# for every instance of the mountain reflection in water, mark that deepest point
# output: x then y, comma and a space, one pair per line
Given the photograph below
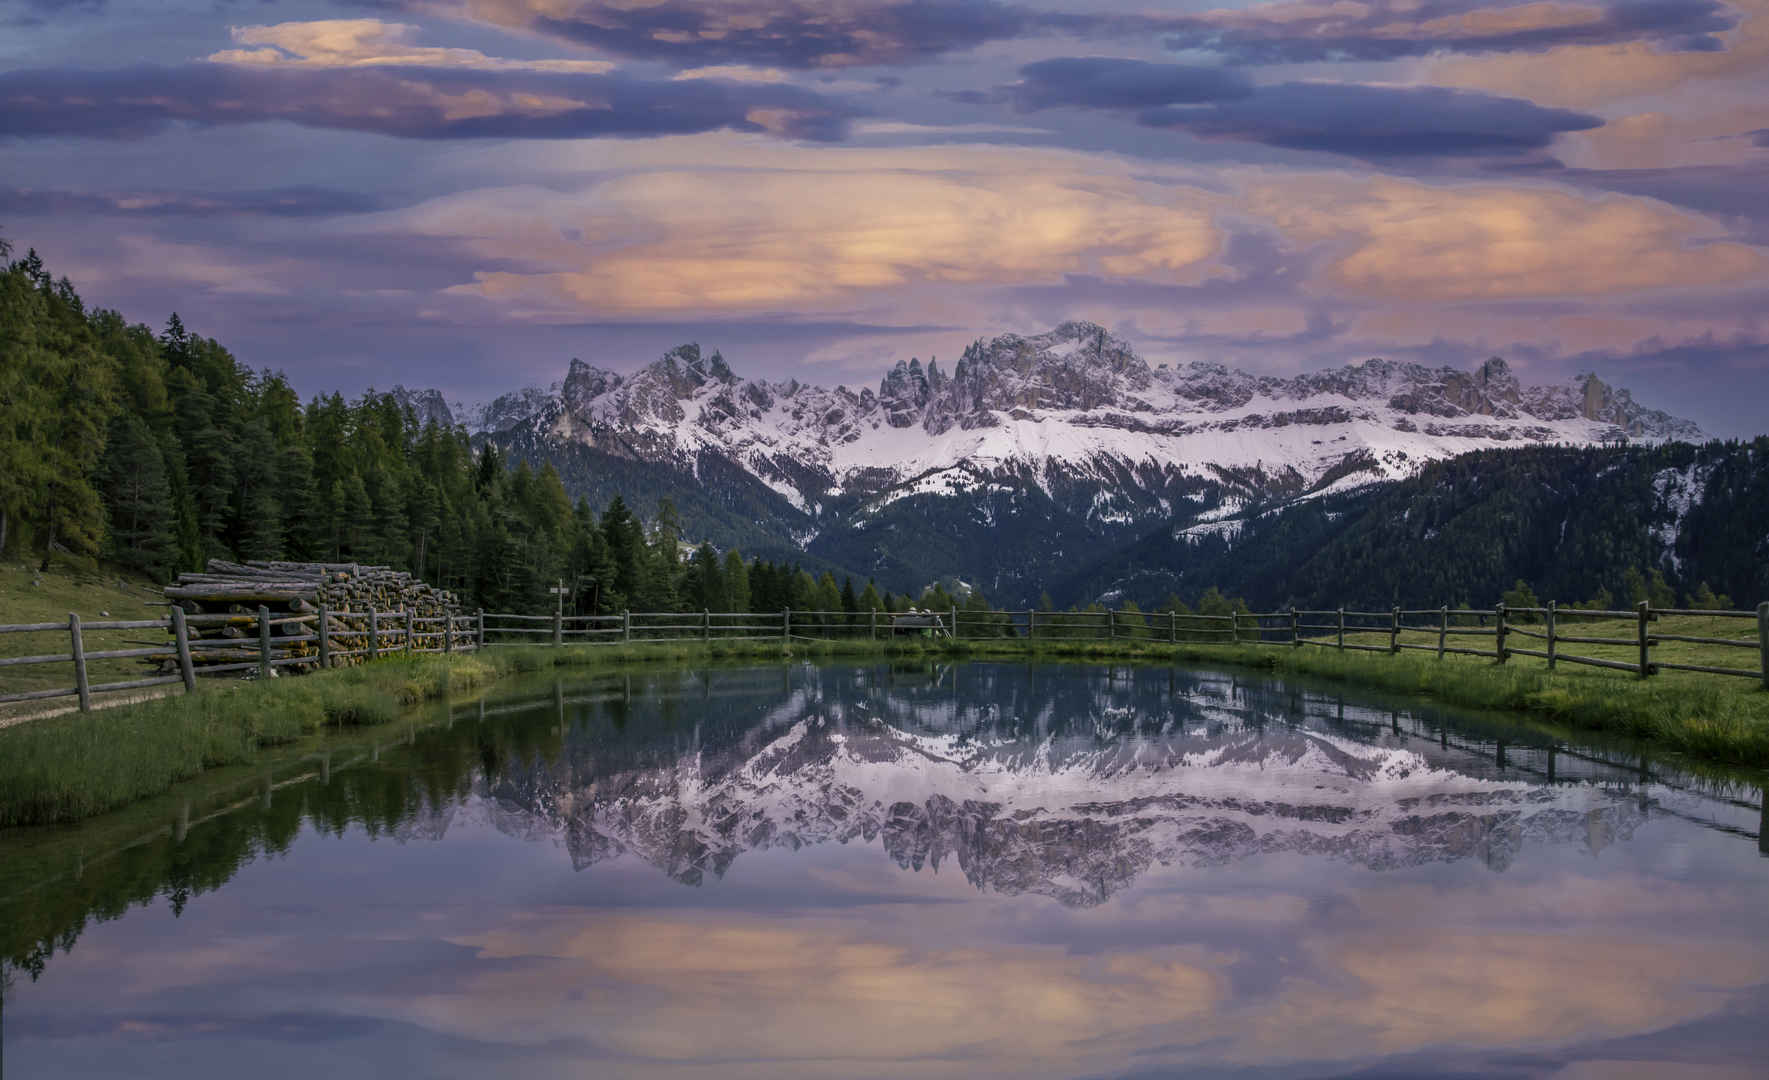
750, 871
1032, 794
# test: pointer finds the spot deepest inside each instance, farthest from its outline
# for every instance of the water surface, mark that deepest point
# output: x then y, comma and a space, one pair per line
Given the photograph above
939, 871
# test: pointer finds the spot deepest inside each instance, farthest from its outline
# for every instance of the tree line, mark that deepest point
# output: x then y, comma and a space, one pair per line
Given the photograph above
160, 451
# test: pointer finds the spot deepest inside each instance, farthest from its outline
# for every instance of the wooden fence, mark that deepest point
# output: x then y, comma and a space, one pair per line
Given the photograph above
263, 643
281, 640
1293, 627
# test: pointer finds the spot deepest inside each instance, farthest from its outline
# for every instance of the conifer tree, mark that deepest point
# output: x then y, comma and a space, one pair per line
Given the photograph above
736, 581
138, 500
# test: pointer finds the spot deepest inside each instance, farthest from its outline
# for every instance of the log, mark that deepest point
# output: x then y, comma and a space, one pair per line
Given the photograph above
242, 592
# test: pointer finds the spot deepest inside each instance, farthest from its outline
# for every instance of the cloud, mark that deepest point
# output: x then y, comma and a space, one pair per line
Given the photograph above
783, 33
939, 131
38, 12
1302, 31
274, 202
1404, 240
804, 232
1377, 122
1028, 1002
733, 73
1587, 75
1102, 82
372, 43
424, 103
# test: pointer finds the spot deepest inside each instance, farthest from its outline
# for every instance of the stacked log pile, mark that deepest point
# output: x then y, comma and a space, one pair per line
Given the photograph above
221, 606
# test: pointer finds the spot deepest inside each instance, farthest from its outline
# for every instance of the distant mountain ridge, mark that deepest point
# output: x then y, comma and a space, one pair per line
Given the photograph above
1030, 448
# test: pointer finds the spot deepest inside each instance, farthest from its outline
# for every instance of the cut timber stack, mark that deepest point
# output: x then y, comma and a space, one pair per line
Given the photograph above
222, 605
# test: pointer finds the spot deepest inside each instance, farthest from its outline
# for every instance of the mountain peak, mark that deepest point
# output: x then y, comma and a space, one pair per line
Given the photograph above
1072, 412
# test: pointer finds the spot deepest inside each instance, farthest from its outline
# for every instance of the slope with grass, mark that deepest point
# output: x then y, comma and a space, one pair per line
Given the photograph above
88, 590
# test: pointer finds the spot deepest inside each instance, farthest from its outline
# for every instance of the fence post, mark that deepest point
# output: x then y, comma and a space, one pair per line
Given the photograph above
1394, 630
1645, 613
1443, 628
1031, 623
263, 642
1551, 649
374, 633
706, 624
954, 622
872, 623
1111, 624
558, 628
1294, 638
1499, 634
411, 644
181, 638
1342, 629
626, 625
479, 628
1173, 626
448, 633
80, 682
325, 638
1763, 643
786, 624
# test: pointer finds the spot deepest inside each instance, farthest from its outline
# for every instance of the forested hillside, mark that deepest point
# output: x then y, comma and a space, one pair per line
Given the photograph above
160, 451
1671, 523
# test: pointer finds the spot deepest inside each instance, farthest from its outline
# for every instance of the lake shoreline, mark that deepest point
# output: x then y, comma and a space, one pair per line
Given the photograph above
68, 768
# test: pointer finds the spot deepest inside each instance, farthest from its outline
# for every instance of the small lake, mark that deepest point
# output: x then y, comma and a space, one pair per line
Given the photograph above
969, 870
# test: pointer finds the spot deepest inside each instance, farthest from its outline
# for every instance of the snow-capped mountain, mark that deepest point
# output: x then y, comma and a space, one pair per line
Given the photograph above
1030, 449
1073, 404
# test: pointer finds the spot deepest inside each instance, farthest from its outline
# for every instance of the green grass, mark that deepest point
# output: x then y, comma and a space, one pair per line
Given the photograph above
1706, 718
75, 765
68, 767
29, 597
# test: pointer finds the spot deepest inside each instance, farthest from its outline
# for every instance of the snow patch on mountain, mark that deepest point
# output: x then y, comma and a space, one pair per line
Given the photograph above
1677, 491
1072, 410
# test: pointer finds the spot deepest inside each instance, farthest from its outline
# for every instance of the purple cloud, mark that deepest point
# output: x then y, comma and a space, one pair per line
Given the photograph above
418, 103
275, 202
1104, 82
1377, 122
780, 33
1304, 32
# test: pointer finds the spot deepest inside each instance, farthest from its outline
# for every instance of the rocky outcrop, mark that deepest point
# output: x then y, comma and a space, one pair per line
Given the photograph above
1070, 424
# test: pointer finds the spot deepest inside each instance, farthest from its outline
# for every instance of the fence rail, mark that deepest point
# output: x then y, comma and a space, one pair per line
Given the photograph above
265, 642
261, 642
1326, 628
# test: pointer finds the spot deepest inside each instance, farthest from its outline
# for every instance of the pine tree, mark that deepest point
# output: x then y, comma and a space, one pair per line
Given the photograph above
707, 581
209, 459
828, 599
138, 500
736, 581
625, 547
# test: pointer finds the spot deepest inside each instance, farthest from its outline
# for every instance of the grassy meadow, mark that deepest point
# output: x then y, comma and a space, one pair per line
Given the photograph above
29, 597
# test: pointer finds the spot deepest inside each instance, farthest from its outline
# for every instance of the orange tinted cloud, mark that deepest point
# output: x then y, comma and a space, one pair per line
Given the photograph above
1586, 76
830, 231
1403, 239
372, 43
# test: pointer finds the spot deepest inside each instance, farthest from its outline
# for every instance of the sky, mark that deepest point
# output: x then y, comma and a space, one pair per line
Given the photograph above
466, 194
